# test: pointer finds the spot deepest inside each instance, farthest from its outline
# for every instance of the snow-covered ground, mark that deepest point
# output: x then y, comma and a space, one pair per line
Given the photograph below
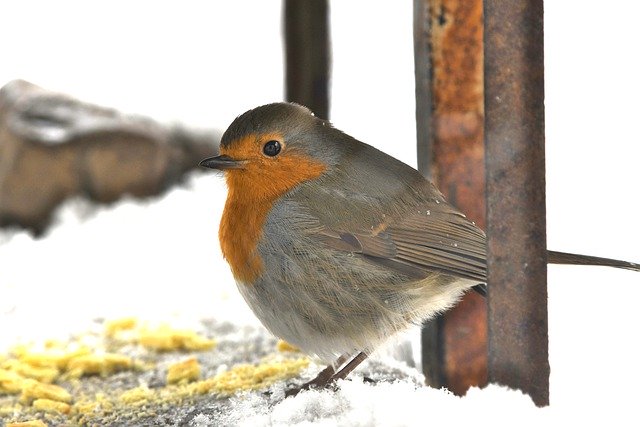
203, 64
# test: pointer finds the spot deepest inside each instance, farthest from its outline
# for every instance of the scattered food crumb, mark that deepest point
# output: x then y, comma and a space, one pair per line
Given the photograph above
165, 338
184, 371
41, 373
113, 327
249, 377
30, 423
98, 364
32, 390
138, 395
105, 376
285, 346
48, 405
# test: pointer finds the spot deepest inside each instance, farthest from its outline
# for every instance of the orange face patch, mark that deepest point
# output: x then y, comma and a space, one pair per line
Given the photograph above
252, 191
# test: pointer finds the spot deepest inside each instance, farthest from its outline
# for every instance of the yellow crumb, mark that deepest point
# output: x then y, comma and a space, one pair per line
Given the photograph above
48, 405
53, 358
193, 341
30, 423
42, 374
283, 346
20, 349
112, 327
100, 404
10, 410
165, 338
100, 364
32, 389
137, 396
184, 371
248, 377
53, 343
10, 382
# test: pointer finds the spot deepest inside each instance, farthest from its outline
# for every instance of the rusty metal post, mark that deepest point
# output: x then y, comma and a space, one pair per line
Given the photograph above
307, 54
423, 76
431, 337
516, 217
449, 118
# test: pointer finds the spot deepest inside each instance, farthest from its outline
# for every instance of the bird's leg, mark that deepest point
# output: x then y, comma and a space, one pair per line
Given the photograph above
353, 364
328, 375
321, 380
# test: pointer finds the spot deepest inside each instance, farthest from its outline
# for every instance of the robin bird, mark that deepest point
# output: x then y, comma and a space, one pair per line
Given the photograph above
337, 246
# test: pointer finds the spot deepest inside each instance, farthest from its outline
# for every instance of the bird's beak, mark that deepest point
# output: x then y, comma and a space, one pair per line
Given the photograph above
221, 162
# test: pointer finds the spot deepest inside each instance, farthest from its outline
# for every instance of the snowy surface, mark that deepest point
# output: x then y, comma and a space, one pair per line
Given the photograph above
386, 404
204, 63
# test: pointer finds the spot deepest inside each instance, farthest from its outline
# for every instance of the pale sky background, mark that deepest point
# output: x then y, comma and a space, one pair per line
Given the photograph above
203, 63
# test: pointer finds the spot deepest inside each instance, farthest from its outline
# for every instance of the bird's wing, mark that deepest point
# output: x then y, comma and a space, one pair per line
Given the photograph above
434, 238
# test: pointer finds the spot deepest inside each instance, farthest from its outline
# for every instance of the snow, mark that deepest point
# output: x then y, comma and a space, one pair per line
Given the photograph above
160, 258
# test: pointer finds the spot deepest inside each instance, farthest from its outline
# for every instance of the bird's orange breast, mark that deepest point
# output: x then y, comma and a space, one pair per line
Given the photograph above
252, 192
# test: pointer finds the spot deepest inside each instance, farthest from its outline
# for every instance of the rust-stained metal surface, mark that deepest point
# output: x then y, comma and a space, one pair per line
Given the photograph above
450, 113
516, 217
431, 337
307, 54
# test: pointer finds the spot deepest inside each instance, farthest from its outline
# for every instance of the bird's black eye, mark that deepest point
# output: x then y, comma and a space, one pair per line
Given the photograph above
271, 148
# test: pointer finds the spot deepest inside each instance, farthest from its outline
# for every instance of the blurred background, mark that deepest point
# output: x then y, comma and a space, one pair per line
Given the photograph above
194, 66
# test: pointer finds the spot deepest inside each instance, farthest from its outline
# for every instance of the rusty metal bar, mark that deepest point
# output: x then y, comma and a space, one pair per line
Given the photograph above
307, 54
431, 337
516, 217
424, 99
449, 115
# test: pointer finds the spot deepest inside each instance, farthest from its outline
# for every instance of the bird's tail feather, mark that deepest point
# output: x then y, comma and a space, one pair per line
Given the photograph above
554, 257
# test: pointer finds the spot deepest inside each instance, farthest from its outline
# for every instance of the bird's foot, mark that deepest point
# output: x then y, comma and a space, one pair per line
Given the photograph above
329, 375
320, 381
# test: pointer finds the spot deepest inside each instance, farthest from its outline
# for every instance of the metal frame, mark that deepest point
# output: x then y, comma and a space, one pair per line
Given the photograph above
516, 212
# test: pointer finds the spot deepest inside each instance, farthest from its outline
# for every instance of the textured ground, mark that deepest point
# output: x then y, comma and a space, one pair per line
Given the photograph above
116, 374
